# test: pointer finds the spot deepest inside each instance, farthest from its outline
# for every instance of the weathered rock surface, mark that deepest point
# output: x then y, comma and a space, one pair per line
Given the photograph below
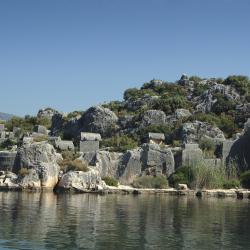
81, 181
130, 166
153, 117
98, 120
41, 161
47, 113
192, 132
8, 180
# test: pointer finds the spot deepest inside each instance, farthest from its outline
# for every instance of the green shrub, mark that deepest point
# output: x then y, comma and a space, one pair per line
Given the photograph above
183, 175
245, 179
201, 175
73, 165
70, 155
119, 143
208, 146
40, 138
158, 182
231, 183
240, 83
23, 172
110, 181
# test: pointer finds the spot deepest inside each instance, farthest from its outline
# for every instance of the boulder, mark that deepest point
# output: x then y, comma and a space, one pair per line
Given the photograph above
157, 158
47, 113
81, 181
8, 180
153, 117
98, 120
182, 113
130, 166
192, 132
41, 161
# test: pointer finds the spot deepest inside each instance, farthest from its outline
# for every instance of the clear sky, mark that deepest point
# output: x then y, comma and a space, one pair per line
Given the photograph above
71, 54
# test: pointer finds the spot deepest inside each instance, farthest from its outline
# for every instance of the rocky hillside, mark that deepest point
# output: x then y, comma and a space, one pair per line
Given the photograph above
204, 121
185, 111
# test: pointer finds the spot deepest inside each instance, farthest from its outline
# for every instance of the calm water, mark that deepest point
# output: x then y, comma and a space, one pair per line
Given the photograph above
48, 221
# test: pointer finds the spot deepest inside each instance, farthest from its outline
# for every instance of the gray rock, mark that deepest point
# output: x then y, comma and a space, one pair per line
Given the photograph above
64, 145
8, 180
192, 132
41, 130
81, 181
41, 160
182, 113
98, 120
130, 166
47, 113
191, 155
153, 117
160, 159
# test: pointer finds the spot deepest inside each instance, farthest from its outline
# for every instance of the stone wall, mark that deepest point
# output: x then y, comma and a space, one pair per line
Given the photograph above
7, 161
89, 146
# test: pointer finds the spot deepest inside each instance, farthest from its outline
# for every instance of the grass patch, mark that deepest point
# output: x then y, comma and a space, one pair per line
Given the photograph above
24, 172
73, 165
201, 176
158, 182
110, 181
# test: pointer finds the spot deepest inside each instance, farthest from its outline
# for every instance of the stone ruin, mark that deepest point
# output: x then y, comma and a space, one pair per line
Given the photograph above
155, 138
89, 142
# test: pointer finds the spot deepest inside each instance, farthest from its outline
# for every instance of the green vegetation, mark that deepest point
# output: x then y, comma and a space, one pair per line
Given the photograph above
158, 182
7, 144
71, 162
240, 83
208, 146
203, 176
27, 123
119, 143
224, 122
245, 179
23, 172
73, 165
110, 181
40, 138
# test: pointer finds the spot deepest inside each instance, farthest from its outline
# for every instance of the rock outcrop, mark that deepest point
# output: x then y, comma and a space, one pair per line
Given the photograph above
153, 117
81, 181
41, 161
192, 132
98, 120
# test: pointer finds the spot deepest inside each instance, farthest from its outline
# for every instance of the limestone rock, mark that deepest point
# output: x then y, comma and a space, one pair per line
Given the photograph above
182, 113
153, 117
192, 132
41, 161
47, 113
81, 181
98, 120
130, 166
157, 158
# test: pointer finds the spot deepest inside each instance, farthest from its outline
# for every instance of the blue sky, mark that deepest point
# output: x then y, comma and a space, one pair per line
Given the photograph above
71, 54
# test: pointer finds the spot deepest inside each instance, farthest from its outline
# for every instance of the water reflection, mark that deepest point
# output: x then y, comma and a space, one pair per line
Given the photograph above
49, 221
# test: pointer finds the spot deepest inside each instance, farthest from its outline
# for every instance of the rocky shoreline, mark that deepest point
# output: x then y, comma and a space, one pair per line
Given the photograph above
128, 190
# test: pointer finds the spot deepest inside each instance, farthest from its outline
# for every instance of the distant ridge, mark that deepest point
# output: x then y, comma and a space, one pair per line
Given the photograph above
5, 116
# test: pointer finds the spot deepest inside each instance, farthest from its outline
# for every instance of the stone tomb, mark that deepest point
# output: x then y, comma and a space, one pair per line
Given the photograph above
155, 138
89, 142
